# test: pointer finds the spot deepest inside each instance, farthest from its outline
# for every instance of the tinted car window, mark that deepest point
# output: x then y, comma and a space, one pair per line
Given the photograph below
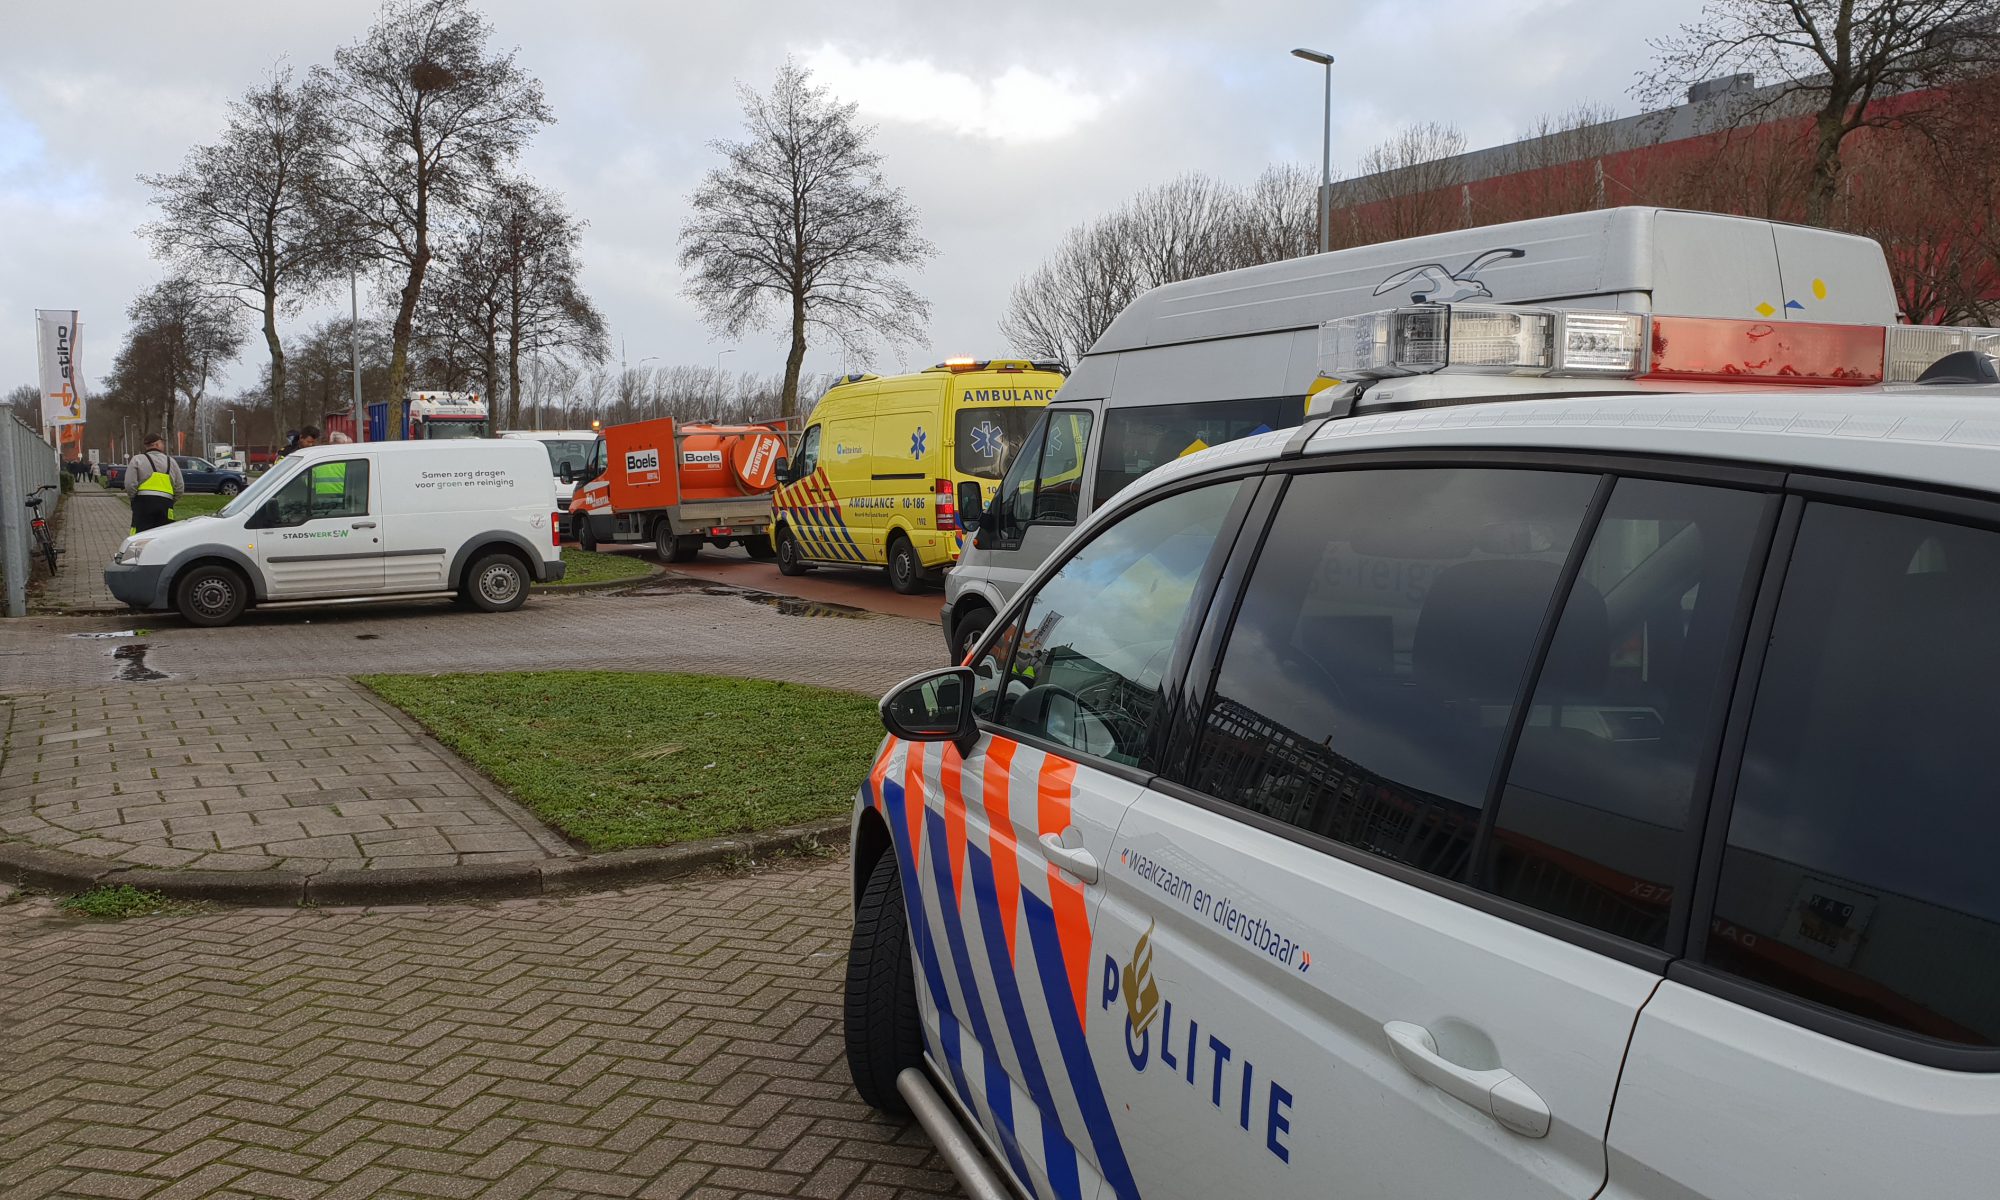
1138, 439
1378, 651
1859, 870
1095, 642
1593, 822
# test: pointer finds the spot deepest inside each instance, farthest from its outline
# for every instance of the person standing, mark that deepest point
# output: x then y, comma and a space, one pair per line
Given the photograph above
153, 482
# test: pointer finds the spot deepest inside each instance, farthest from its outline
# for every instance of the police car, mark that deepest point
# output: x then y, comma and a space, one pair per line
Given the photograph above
1563, 766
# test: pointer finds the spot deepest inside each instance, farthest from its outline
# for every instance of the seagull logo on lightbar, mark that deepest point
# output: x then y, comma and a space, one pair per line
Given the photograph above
1443, 286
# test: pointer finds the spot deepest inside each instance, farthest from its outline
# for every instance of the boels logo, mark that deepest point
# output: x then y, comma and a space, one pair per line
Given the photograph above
701, 458
642, 466
1237, 1090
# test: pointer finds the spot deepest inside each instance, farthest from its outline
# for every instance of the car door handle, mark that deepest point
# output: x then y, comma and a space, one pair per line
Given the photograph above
1074, 859
1498, 1093
364, 525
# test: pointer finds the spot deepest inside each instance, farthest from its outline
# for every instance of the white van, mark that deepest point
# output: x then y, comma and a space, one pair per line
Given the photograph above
569, 452
1193, 364
379, 520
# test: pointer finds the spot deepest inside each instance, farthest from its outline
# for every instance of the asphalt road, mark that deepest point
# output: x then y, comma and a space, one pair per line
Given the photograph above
860, 587
671, 623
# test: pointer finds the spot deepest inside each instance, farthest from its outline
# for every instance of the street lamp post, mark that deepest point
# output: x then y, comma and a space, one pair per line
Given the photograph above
1325, 149
718, 378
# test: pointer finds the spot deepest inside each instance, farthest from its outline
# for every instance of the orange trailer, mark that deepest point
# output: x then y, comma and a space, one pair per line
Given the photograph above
680, 487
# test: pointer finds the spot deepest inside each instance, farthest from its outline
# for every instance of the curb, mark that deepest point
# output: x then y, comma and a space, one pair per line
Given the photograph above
602, 585
25, 865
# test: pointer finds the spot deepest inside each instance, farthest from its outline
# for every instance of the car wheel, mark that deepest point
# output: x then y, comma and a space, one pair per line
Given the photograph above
970, 627
791, 556
497, 583
583, 539
211, 595
884, 1033
229, 487
906, 570
760, 548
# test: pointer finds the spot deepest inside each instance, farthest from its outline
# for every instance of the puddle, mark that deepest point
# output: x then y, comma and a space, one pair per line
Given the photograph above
135, 669
367, 637
790, 606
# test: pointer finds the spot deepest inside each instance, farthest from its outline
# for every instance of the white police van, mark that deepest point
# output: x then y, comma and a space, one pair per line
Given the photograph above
465, 519
1198, 363
1563, 766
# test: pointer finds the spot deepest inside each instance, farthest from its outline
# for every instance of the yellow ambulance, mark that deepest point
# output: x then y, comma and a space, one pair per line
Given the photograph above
875, 477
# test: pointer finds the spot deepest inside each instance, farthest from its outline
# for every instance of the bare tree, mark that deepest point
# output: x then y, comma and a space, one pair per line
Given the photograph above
1190, 227
427, 116
544, 310
243, 215
180, 333
25, 402
1560, 164
1407, 186
799, 218
1838, 59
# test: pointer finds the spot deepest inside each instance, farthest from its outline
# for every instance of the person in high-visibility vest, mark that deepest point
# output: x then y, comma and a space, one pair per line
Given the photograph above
329, 485
153, 482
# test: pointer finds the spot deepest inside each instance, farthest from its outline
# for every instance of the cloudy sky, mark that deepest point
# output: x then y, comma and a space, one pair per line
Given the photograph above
1006, 124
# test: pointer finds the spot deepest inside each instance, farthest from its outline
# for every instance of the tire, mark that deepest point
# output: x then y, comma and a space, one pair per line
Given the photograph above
583, 538
48, 548
884, 1032
906, 570
791, 556
497, 582
760, 548
211, 595
229, 487
684, 548
970, 627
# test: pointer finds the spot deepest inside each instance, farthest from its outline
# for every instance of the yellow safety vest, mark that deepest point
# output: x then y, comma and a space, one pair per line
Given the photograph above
330, 479
159, 481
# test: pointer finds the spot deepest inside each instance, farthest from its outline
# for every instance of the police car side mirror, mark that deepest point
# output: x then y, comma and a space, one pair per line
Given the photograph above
971, 504
933, 707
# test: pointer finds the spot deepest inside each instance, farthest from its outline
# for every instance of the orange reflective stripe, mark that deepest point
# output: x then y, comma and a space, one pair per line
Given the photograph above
1052, 796
1005, 851
954, 822
913, 799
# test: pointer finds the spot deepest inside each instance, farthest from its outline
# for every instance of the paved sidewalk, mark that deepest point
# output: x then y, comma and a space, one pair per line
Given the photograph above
680, 1042
94, 521
304, 775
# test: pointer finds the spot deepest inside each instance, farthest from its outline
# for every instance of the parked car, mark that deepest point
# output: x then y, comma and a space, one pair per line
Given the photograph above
470, 519
1486, 789
201, 475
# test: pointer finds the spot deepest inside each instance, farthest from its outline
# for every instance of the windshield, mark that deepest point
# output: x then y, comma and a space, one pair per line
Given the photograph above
249, 498
574, 453
986, 439
436, 429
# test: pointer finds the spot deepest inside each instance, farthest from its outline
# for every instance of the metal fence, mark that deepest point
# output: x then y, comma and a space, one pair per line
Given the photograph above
26, 463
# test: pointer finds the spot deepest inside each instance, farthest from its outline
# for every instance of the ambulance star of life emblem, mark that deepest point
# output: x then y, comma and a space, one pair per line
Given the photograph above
986, 439
917, 443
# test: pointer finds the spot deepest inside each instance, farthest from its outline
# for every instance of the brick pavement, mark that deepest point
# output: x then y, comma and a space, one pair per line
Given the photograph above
304, 775
93, 522
680, 1041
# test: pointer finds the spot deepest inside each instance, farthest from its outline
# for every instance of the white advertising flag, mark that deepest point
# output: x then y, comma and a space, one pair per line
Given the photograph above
62, 372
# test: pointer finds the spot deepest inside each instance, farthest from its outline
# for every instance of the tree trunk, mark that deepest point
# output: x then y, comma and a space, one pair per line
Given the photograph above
788, 402
277, 357
399, 343
489, 358
1829, 129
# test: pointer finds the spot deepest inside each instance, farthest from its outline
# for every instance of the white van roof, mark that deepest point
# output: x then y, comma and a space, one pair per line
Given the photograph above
1254, 332
416, 446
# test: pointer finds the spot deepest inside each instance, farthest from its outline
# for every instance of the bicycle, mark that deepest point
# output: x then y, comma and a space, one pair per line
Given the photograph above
40, 525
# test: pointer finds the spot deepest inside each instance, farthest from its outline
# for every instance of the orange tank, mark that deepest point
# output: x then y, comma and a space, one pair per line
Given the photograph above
653, 464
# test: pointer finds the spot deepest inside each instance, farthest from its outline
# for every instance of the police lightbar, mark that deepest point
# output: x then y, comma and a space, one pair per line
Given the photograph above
1483, 339
1499, 339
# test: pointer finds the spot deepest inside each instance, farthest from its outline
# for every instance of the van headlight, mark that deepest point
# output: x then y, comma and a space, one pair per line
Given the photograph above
131, 550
